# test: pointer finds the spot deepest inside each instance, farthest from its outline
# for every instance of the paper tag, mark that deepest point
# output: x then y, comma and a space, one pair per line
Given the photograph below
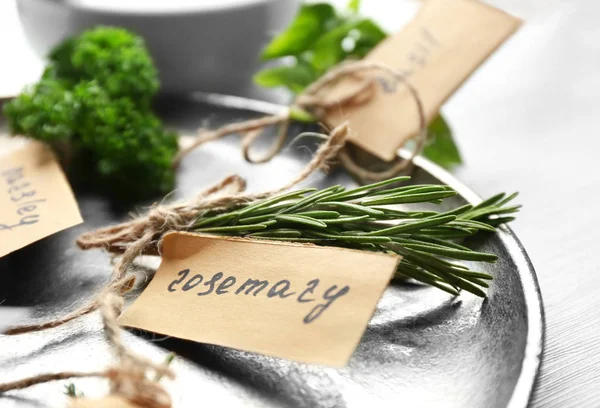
436, 52
304, 303
35, 198
110, 401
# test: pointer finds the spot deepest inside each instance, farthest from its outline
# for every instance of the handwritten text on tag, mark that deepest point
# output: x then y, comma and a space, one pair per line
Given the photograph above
35, 197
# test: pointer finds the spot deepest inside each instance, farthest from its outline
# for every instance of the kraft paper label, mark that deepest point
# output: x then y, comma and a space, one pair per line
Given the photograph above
35, 197
111, 401
304, 303
436, 52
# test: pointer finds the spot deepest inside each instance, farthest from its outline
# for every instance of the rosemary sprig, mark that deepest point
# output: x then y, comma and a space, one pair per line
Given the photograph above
362, 219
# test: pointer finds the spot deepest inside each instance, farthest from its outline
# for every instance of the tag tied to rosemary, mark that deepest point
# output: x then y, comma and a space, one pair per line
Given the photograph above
35, 197
301, 302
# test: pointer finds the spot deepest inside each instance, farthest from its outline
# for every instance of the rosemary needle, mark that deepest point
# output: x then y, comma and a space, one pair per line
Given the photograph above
360, 218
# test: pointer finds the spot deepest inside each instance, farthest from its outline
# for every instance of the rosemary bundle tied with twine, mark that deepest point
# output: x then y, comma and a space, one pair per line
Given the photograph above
358, 218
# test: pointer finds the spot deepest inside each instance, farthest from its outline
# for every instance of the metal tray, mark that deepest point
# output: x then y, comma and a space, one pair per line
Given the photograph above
423, 348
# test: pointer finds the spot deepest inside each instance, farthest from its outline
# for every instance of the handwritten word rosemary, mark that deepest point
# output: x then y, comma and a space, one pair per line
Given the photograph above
280, 289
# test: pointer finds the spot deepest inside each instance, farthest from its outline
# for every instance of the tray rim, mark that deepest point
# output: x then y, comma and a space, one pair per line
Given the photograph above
532, 359
536, 321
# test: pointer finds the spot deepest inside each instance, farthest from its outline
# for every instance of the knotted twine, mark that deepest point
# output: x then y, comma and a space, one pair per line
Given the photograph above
314, 101
141, 235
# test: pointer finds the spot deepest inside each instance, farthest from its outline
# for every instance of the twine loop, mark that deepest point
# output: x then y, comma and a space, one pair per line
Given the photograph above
315, 101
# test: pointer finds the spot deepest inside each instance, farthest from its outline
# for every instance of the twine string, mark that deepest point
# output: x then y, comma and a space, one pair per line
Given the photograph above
314, 100
128, 379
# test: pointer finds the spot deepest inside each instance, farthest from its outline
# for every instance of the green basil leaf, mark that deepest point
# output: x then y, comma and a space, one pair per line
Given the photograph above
328, 50
441, 148
310, 23
353, 6
369, 35
295, 77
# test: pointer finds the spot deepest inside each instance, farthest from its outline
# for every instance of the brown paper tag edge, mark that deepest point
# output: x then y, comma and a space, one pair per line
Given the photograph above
173, 234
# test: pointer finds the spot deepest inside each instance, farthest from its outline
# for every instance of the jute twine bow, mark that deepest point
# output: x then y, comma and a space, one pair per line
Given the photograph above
314, 100
129, 379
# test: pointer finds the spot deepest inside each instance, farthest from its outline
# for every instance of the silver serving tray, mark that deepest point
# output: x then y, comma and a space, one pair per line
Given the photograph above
423, 348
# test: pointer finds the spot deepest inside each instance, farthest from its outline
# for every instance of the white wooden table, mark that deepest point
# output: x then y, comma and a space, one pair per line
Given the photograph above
528, 121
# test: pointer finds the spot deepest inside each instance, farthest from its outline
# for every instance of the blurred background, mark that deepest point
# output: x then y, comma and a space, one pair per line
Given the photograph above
526, 121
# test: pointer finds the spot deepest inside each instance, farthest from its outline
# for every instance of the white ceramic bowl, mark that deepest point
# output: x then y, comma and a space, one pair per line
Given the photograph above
198, 45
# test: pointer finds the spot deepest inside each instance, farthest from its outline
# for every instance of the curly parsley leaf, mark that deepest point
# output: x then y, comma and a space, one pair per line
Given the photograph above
93, 105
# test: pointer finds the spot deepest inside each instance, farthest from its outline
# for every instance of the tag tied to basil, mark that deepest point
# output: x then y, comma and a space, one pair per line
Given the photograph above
301, 302
35, 197
436, 52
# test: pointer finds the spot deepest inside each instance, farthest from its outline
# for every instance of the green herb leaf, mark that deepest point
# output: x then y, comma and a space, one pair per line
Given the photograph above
310, 23
353, 6
330, 49
318, 38
335, 216
367, 36
301, 219
300, 115
93, 106
295, 77
71, 391
441, 148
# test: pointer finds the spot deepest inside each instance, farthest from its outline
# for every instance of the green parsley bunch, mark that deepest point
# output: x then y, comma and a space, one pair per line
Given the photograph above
93, 105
